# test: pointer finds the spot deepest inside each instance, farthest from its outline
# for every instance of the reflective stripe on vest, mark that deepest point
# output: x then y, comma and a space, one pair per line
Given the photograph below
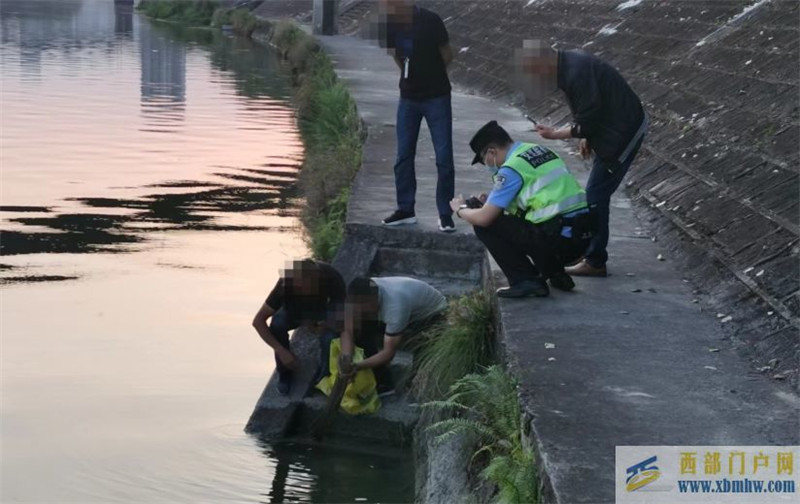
543, 181
562, 206
548, 188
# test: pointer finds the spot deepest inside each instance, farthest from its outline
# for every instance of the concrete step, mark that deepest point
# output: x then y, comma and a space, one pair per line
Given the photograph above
276, 416
401, 369
392, 424
427, 263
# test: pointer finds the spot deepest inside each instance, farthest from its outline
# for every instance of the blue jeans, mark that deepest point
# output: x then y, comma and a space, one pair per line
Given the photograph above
603, 181
438, 114
280, 324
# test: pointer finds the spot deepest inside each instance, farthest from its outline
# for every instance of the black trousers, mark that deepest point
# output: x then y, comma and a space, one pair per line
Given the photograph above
525, 251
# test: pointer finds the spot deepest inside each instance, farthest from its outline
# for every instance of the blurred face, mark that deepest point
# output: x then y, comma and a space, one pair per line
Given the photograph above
305, 280
360, 309
535, 66
399, 11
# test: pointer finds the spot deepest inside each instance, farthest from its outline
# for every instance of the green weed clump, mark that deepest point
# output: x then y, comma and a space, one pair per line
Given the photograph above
331, 130
190, 12
458, 346
241, 21
484, 406
244, 22
221, 17
286, 34
326, 232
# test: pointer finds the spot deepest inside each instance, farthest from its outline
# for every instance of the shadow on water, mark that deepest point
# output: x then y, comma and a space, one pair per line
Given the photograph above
306, 471
116, 225
195, 210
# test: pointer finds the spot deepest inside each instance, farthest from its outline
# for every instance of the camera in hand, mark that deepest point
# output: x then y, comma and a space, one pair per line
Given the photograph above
473, 202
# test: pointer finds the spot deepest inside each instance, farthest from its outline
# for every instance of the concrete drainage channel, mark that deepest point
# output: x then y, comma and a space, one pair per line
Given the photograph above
454, 265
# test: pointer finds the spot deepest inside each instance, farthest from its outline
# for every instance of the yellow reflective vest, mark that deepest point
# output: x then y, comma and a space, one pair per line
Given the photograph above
548, 188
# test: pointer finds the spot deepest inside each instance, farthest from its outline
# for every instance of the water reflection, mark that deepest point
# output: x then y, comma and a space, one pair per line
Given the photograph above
163, 64
305, 471
69, 26
236, 195
123, 19
127, 377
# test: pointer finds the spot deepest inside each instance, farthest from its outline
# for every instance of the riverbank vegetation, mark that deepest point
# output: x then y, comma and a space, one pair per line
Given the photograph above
456, 347
241, 21
484, 406
468, 394
332, 132
203, 13
189, 12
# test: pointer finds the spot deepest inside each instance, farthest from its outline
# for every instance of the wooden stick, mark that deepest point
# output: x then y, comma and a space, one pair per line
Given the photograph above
323, 422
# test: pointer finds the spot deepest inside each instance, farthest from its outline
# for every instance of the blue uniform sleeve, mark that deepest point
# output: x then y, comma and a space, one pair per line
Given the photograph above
507, 184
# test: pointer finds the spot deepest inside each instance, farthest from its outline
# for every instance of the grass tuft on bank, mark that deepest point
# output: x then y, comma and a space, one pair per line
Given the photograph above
458, 346
241, 21
484, 405
331, 130
190, 12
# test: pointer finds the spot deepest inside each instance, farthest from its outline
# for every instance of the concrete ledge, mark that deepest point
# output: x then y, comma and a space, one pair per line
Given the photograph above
393, 424
274, 413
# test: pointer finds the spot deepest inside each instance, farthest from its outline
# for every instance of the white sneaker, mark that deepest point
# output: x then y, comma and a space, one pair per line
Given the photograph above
446, 224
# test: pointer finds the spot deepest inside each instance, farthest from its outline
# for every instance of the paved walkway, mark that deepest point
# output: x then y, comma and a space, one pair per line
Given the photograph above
635, 361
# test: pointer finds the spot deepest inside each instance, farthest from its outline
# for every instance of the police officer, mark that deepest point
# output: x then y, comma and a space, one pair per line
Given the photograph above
535, 212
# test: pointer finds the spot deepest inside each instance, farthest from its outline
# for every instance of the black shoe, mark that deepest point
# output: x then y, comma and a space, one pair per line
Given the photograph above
446, 224
284, 383
562, 281
400, 217
524, 288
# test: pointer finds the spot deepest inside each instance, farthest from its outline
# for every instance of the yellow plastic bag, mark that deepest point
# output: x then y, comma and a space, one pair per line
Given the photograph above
361, 395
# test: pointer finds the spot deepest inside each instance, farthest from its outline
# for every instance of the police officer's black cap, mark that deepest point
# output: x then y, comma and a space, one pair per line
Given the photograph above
490, 133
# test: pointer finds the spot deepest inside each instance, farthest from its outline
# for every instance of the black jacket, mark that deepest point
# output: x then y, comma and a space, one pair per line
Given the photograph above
606, 110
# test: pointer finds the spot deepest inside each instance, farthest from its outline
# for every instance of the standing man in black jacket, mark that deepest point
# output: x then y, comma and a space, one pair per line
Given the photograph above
609, 120
420, 45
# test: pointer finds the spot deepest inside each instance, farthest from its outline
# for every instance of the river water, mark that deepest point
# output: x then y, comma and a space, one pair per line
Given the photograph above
147, 202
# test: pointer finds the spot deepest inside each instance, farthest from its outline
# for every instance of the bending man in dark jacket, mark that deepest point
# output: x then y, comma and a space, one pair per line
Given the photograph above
608, 118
